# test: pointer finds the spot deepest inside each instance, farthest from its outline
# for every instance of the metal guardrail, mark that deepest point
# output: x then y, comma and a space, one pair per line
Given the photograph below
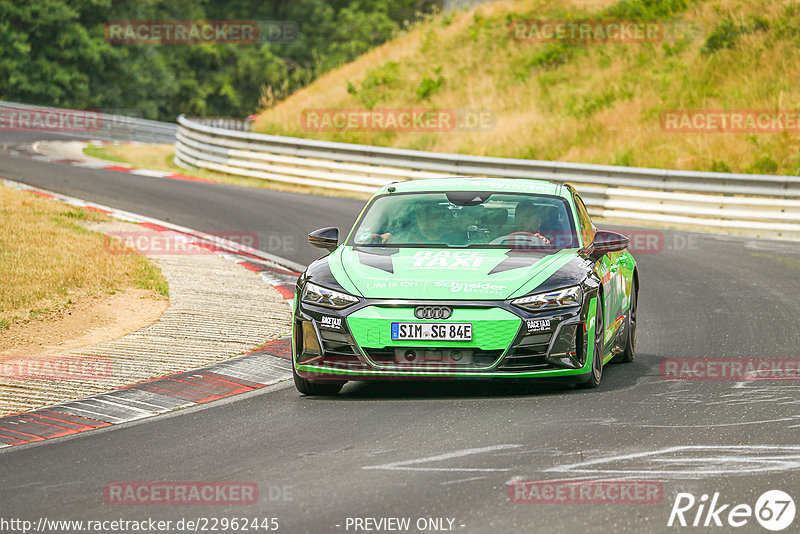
762, 203
110, 127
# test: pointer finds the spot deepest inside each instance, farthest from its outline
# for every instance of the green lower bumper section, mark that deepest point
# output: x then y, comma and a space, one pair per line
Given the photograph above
321, 369
492, 328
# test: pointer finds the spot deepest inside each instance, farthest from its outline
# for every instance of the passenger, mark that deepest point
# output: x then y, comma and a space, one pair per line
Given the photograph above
431, 224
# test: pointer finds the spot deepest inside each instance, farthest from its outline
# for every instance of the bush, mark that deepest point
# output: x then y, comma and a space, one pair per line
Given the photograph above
428, 86
765, 165
552, 56
377, 84
623, 159
646, 9
724, 35
727, 33
720, 166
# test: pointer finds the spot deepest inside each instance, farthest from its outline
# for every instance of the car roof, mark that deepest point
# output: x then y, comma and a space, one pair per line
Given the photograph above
470, 183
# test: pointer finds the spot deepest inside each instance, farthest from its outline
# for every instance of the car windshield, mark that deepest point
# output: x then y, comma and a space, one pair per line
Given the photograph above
466, 219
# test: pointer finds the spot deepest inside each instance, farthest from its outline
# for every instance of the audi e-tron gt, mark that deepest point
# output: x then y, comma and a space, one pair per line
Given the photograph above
465, 278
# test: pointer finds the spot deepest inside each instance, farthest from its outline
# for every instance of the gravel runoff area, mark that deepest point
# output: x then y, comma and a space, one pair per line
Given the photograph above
217, 309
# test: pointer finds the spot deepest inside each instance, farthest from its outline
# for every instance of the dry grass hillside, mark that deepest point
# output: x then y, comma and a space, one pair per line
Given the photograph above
582, 102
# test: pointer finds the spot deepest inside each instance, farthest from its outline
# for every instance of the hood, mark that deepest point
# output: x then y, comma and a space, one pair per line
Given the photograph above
449, 274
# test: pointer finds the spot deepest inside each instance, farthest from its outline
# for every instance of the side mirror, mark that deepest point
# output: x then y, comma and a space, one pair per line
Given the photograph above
606, 241
327, 238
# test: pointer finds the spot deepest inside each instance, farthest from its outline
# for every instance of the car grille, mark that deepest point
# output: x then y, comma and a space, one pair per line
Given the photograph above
480, 358
528, 355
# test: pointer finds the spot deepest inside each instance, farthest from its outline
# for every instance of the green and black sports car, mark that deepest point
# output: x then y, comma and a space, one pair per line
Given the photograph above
465, 278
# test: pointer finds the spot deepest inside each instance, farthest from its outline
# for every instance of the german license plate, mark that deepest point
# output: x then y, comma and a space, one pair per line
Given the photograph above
432, 331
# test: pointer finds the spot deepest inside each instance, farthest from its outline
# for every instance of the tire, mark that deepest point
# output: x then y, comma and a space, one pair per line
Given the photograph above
630, 347
597, 356
307, 387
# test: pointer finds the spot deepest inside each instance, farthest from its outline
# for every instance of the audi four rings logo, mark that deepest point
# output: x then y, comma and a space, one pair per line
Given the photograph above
432, 312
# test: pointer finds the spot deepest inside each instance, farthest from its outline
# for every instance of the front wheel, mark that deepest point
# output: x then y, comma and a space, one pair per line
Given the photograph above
599, 342
307, 387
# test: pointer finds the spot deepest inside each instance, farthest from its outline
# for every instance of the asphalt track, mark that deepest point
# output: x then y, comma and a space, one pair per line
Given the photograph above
449, 449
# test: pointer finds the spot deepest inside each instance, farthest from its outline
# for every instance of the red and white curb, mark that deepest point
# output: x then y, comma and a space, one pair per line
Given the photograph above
34, 151
279, 272
265, 366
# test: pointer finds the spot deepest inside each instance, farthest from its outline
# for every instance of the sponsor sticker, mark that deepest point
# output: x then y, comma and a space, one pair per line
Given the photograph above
334, 323
472, 288
394, 284
538, 325
470, 260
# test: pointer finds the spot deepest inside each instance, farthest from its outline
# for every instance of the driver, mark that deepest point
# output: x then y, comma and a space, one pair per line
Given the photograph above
528, 219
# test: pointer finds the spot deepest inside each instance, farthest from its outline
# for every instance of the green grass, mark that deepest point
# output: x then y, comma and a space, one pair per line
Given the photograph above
147, 275
102, 152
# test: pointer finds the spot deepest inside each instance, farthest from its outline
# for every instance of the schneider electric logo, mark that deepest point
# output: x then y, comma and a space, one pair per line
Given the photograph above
774, 510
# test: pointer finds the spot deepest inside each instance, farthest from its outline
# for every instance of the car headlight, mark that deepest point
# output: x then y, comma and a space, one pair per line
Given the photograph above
327, 298
561, 298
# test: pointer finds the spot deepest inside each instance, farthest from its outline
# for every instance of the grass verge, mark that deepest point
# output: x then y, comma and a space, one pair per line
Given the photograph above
49, 260
101, 152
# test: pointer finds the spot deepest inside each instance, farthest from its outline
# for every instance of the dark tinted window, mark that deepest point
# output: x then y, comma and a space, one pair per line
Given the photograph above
486, 220
587, 230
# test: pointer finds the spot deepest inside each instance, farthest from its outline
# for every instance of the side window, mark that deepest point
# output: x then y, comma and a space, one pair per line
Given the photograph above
587, 230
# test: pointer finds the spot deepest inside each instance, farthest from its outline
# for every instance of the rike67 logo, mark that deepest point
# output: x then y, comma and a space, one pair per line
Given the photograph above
774, 510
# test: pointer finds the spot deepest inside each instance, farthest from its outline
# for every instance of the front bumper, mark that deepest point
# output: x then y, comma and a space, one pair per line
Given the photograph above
507, 342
